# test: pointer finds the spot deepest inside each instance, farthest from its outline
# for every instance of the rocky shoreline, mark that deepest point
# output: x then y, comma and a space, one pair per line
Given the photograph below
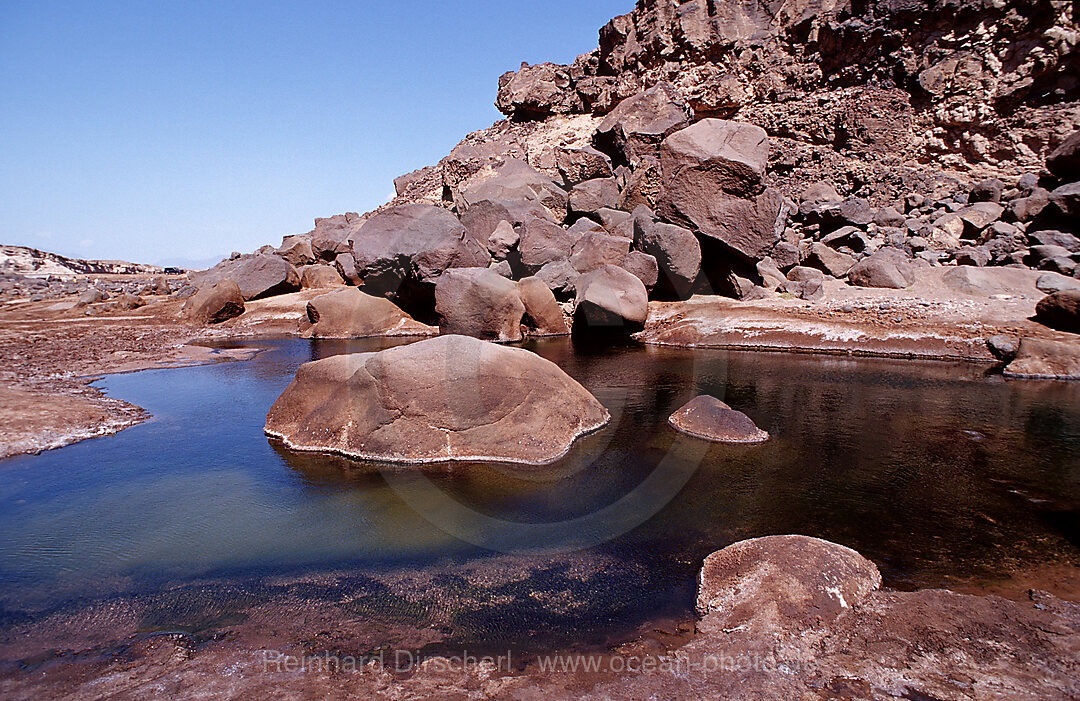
897, 179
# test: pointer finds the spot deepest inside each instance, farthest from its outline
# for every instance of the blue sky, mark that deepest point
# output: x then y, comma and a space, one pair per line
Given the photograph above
154, 131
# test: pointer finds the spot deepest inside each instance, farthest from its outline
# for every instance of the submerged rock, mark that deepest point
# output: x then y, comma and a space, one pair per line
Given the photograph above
709, 418
443, 399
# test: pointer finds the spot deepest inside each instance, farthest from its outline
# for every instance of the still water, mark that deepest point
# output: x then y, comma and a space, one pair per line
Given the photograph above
939, 472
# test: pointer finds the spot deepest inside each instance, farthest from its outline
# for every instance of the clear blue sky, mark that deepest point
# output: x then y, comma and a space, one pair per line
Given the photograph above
150, 130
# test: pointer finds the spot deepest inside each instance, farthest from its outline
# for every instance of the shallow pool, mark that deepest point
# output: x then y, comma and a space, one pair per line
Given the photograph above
939, 472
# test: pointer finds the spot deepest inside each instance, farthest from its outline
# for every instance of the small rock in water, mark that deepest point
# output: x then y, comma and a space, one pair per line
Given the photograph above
709, 418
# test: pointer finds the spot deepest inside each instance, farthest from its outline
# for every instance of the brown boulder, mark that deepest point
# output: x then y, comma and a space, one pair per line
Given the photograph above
642, 266
579, 165
259, 275
215, 303
709, 418
1060, 310
349, 313
787, 583
297, 250
1043, 359
591, 196
319, 276
400, 252
610, 299
543, 316
331, 234
639, 123
1064, 161
516, 180
828, 261
542, 242
536, 92
479, 302
443, 399
675, 249
712, 159
595, 249
888, 267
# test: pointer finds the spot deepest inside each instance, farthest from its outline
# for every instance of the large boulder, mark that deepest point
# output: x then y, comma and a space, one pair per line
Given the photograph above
676, 250
400, 252
542, 242
787, 583
579, 165
319, 276
349, 313
709, 418
443, 399
331, 234
712, 159
610, 299
595, 249
1060, 310
1067, 199
827, 260
749, 226
536, 92
516, 180
888, 267
1064, 161
591, 196
214, 303
259, 275
638, 124
479, 302
543, 316
711, 181
297, 250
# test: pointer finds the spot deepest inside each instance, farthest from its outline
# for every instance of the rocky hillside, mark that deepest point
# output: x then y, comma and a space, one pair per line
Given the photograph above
738, 148
862, 91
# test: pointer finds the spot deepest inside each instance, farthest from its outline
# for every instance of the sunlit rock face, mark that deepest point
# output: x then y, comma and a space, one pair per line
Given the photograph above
438, 400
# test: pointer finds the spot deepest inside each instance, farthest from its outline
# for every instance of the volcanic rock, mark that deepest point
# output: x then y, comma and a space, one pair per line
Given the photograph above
319, 276
889, 267
479, 302
1040, 358
709, 418
349, 313
610, 299
782, 583
1060, 310
543, 316
676, 250
401, 250
590, 196
444, 399
635, 128
214, 303
1064, 161
259, 275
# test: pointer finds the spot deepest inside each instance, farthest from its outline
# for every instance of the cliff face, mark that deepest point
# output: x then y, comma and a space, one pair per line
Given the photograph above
986, 87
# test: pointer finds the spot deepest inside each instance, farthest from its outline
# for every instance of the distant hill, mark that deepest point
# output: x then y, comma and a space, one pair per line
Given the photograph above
34, 263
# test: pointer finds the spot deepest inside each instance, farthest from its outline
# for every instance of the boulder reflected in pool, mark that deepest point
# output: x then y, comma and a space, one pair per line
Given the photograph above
446, 399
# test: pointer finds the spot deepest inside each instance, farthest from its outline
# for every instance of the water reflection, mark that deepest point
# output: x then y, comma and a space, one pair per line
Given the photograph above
935, 471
